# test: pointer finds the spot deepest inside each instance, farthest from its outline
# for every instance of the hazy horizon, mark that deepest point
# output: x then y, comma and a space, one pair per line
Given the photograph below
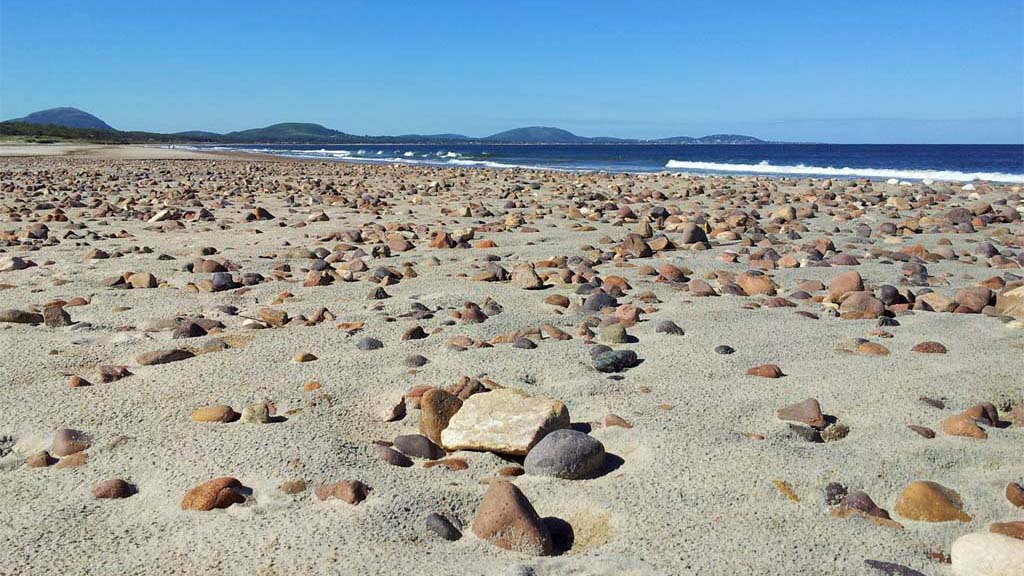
874, 73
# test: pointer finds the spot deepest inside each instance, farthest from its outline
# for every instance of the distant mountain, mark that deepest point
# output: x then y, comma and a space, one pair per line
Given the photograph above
712, 139
292, 132
66, 117
536, 134
74, 124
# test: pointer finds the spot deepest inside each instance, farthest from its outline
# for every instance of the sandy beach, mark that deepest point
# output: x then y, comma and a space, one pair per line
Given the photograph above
805, 352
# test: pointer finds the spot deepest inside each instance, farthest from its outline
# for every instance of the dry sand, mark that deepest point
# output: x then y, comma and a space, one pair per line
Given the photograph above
692, 494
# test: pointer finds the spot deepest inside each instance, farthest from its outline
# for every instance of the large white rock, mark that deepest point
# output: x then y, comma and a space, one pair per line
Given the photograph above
507, 421
1011, 303
988, 554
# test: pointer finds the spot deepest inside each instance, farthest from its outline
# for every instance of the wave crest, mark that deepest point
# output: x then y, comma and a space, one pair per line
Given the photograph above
803, 170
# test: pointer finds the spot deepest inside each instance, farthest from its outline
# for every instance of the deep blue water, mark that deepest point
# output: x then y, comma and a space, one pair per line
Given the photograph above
1003, 163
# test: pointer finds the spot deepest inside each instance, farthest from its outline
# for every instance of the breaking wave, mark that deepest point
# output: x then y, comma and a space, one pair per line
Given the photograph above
803, 170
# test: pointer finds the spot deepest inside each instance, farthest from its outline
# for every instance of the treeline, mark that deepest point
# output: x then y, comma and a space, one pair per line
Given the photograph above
54, 133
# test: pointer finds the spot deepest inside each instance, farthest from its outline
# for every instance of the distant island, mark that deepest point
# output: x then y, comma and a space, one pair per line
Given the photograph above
73, 124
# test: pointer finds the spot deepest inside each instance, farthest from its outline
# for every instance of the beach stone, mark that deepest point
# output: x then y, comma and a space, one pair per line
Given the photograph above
415, 361
924, 432
163, 357
668, 327
937, 302
892, 569
756, 284
525, 276
507, 519
1015, 494
929, 348
113, 488
807, 411
143, 280
691, 234
73, 461
1011, 303
506, 421
215, 413
963, 425
13, 316
292, 486
1012, 529
67, 441
861, 306
615, 361
987, 554
216, 493
418, 446
567, 454
766, 371
391, 456
844, 284
56, 317
40, 459
524, 343
859, 500
872, 349
437, 407
438, 524
723, 349
351, 491
614, 334
302, 357
258, 413
930, 502
368, 343
110, 374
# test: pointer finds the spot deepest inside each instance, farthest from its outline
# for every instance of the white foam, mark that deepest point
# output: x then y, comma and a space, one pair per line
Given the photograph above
803, 170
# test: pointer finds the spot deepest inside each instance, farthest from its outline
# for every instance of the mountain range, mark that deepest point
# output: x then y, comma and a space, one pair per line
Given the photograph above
74, 123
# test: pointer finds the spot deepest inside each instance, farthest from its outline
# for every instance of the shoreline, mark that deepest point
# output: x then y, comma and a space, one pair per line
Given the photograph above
184, 152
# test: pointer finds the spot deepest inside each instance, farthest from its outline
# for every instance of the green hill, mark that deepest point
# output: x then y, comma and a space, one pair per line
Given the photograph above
545, 134
66, 117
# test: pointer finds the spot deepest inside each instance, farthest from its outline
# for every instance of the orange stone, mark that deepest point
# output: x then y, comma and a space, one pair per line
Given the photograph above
930, 502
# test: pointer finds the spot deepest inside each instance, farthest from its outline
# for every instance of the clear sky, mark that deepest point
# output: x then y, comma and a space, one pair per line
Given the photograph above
823, 70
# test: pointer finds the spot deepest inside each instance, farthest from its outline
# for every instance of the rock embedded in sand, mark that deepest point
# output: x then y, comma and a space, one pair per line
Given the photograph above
766, 371
1011, 303
217, 493
506, 519
844, 284
807, 411
163, 357
506, 421
113, 488
987, 554
258, 413
56, 317
861, 306
301, 357
929, 348
67, 441
1014, 529
418, 446
441, 526
214, 413
13, 316
963, 425
567, 454
930, 502
40, 459
351, 491
525, 276
437, 406
1015, 494
615, 361
391, 456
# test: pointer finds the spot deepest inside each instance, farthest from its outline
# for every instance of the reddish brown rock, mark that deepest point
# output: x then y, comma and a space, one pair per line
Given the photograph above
507, 519
1015, 494
844, 284
929, 348
807, 411
1013, 529
437, 407
217, 493
766, 371
113, 488
962, 425
861, 306
351, 491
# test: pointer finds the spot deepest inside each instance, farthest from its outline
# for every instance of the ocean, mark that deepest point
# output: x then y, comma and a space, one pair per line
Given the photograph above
997, 163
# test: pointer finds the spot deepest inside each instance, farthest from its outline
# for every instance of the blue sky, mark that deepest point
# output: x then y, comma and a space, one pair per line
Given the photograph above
837, 71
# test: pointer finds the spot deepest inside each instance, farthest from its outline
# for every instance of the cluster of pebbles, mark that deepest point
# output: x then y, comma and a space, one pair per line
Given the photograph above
284, 366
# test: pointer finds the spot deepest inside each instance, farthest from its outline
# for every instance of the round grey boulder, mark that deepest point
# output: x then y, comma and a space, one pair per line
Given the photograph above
565, 454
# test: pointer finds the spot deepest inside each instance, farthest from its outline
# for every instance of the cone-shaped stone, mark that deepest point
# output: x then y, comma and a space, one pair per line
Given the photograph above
507, 519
